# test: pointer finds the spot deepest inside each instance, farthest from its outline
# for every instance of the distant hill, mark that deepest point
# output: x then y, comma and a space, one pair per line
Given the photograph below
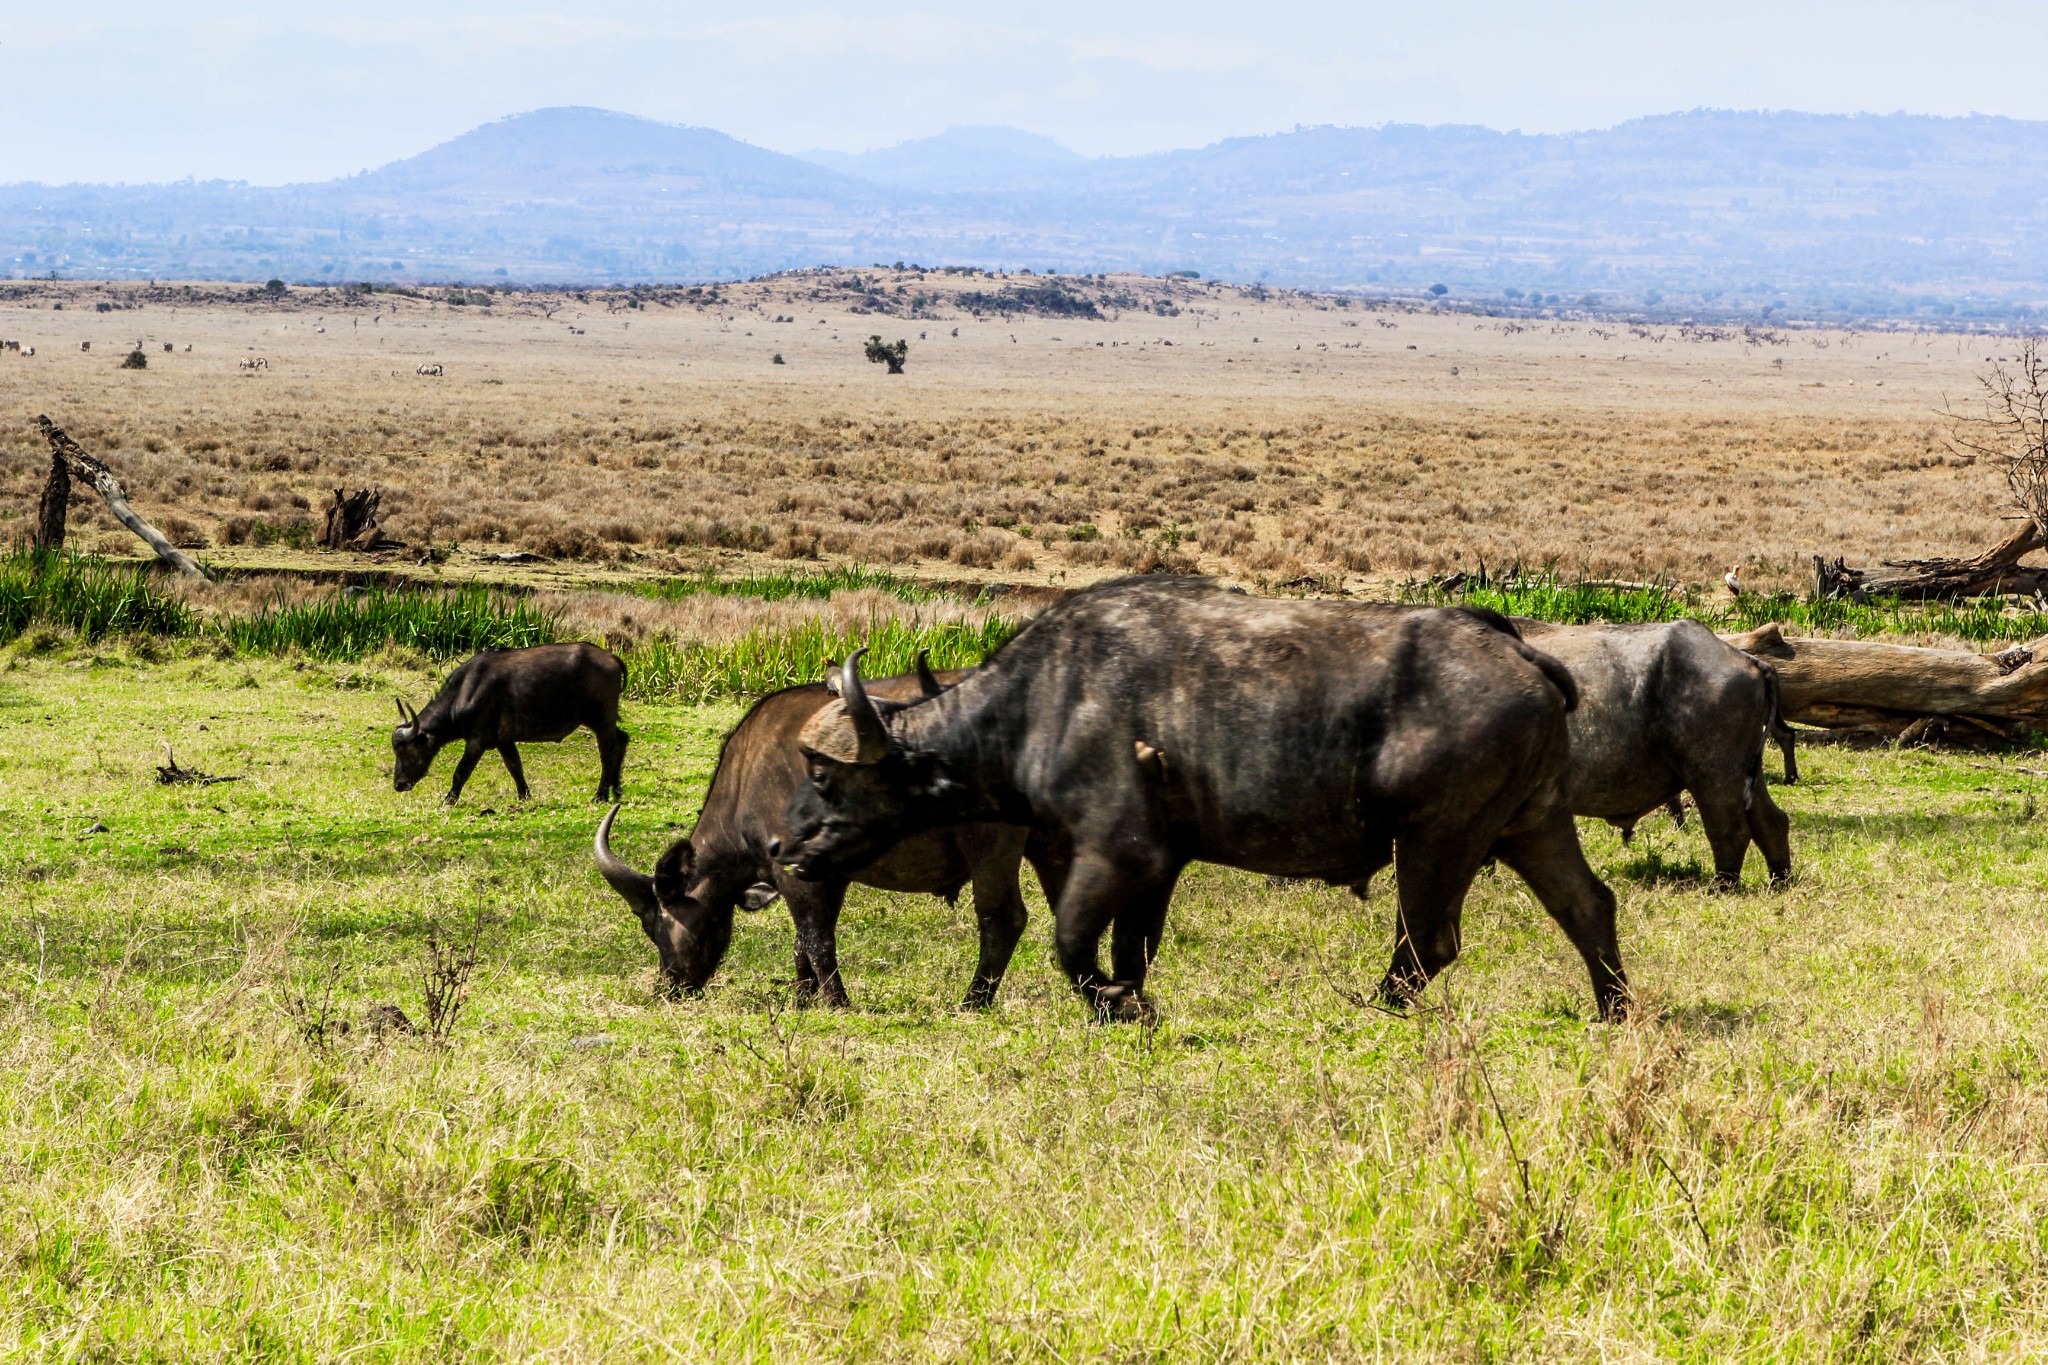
961, 159
1820, 215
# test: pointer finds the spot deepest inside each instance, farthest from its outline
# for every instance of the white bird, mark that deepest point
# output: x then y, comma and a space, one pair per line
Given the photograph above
1734, 583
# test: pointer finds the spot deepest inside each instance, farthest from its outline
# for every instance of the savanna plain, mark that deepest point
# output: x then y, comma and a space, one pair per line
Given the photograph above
1823, 1135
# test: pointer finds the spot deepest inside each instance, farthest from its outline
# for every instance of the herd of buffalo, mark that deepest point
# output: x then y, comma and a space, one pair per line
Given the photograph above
1152, 722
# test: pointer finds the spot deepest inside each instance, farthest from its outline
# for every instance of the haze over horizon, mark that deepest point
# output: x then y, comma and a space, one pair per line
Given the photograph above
272, 95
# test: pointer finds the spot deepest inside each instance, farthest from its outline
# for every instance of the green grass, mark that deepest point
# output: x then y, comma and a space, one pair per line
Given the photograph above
764, 660
95, 600
1549, 598
780, 585
441, 625
91, 597
1823, 1141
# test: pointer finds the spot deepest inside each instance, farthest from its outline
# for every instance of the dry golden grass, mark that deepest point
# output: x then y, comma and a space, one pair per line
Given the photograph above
1262, 438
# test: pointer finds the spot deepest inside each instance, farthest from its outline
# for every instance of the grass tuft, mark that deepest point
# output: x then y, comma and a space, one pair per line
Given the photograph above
94, 598
441, 625
765, 660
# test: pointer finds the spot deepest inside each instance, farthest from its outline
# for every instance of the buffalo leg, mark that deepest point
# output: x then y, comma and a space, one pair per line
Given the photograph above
510, 753
1726, 820
1550, 860
1431, 878
814, 906
611, 751
472, 751
999, 913
1772, 830
1096, 893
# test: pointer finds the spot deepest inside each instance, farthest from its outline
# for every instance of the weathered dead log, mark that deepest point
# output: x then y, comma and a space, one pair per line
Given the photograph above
55, 505
85, 467
352, 522
1887, 691
1994, 572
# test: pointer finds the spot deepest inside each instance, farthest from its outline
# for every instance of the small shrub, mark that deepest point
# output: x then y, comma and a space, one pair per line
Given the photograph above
135, 360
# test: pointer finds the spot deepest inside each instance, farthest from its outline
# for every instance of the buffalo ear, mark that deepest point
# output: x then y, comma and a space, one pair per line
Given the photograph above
759, 896
672, 871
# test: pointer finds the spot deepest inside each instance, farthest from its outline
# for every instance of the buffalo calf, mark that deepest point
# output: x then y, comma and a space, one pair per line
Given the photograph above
505, 697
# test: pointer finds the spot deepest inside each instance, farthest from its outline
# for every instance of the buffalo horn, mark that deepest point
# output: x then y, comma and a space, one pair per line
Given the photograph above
403, 716
927, 681
872, 737
636, 888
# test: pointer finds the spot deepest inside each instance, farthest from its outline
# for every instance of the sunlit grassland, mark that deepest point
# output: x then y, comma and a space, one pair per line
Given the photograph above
1825, 1138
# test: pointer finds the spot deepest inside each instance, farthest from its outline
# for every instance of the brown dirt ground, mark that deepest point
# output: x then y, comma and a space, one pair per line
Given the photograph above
1264, 437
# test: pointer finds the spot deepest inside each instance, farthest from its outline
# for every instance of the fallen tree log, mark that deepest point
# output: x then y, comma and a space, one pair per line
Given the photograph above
1864, 688
1995, 572
89, 470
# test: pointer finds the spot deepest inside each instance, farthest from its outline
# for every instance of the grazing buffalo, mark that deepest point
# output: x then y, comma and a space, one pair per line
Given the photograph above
686, 906
1152, 722
1671, 708
505, 697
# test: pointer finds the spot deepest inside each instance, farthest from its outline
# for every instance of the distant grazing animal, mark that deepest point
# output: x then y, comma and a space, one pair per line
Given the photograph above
686, 906
504, 697
1152, 722
255, 363
85, 345
28, 350
428, 369
1669, 708
168, 348
10, 345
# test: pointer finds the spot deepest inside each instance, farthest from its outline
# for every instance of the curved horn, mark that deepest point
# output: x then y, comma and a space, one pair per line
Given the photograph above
403, 717
635, 888
927, 681
867, 723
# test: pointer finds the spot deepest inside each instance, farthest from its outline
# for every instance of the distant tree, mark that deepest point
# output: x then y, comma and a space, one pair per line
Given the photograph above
1437, 291
135, 360
273, 287
892, 354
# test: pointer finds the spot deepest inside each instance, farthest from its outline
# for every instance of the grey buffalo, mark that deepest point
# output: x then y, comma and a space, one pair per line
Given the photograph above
1153, 722
686, 906
503, 698
1671, 708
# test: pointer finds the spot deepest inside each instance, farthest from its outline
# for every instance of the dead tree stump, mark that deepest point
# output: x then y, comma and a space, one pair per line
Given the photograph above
352, 522
92, 471
52, 510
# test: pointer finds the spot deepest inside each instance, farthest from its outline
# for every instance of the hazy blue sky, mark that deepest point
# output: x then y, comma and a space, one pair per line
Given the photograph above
287, 90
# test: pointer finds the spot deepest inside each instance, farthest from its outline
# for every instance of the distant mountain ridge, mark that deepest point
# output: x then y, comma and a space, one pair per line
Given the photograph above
1837, 215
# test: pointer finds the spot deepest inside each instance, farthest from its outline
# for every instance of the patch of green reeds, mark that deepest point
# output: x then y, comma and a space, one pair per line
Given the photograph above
767, 659
353, 625
1546, 597
92, 597
779, 585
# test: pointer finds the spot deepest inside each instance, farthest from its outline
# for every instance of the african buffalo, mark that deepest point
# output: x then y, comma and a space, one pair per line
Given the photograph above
1151, 722
504, 697
1670, 708
686, 906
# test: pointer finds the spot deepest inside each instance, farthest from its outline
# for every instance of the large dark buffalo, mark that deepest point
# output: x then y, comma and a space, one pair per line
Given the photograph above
1153, 722
686, 906
506, 697
1671, 708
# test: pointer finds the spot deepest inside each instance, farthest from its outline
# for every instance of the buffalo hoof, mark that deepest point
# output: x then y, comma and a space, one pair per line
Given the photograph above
1123, 1003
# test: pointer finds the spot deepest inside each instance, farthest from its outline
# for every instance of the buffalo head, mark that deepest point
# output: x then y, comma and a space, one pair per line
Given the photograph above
686, 915
866, 791
413, 750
